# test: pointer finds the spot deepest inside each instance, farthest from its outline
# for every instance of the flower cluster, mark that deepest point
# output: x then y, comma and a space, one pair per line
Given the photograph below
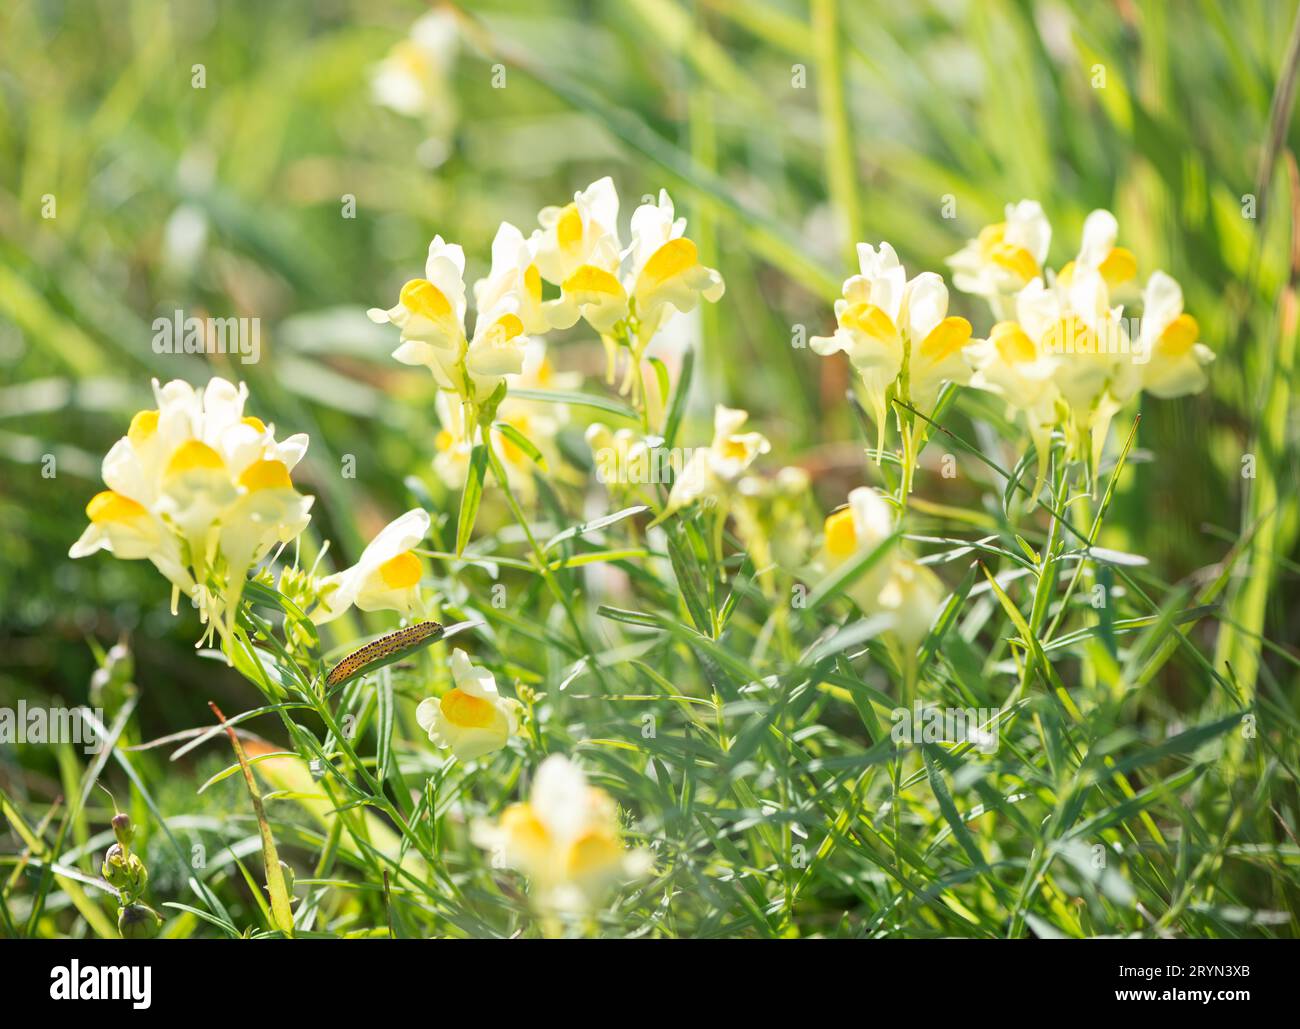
202, 490
205, 491
624, 293
897, 334
712, 473
1062, 353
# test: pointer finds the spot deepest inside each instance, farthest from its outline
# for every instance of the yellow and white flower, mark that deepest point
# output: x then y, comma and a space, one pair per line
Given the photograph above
860, 526
200, 489
578, 249
869, 324
621, 458
414, 79
886, 324
935, 341
129, 531
514, 274
1014, 367
895, 585
471, 718
268, 511
711, 471
1073, 322
385, 578
912, 596
1007, 255
452, 445
431, 315
664, 273
1098, 253
509, 306
565, 838
1169, 359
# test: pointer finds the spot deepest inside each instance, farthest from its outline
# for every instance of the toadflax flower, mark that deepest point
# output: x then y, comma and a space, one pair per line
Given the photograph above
711, 471
1169, 359
414, 78
431, 315
387, 576
664, 273
509, 306
895, 585
1098, 253
565, 838
897, 334
1062, 353
621, 458
624, 294
772, 521
1006, 256
578, 250
471, 718
201, 490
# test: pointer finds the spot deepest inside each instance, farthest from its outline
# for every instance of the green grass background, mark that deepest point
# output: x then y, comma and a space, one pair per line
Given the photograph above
905, 105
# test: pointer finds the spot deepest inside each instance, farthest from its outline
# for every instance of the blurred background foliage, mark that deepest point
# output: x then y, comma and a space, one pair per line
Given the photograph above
785, 129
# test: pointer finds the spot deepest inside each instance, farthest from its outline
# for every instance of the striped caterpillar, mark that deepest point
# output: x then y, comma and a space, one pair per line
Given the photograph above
384, 651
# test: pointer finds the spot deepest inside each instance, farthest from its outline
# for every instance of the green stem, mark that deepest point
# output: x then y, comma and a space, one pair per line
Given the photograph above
543, 566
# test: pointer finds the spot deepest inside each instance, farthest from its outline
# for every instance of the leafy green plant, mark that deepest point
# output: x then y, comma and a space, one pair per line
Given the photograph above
751, 682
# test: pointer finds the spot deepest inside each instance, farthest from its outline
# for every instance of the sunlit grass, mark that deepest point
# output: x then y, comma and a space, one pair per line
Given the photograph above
1144, 780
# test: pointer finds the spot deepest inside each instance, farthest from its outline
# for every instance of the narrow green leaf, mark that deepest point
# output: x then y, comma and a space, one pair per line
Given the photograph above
522, 442
850, 571
603, 522
471, 496
678, 407
592, 400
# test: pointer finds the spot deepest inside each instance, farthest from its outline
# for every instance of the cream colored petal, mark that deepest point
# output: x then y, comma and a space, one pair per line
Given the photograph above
397, 537
1028, 227
926, 305
559, 797
1100, 230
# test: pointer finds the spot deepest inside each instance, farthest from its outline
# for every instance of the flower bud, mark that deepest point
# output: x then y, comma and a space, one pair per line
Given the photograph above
138, 922
114, 868
124, 871
123, 830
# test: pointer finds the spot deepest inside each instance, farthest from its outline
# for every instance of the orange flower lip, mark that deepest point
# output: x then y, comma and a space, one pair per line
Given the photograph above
108, 506
466, 711
193, 455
